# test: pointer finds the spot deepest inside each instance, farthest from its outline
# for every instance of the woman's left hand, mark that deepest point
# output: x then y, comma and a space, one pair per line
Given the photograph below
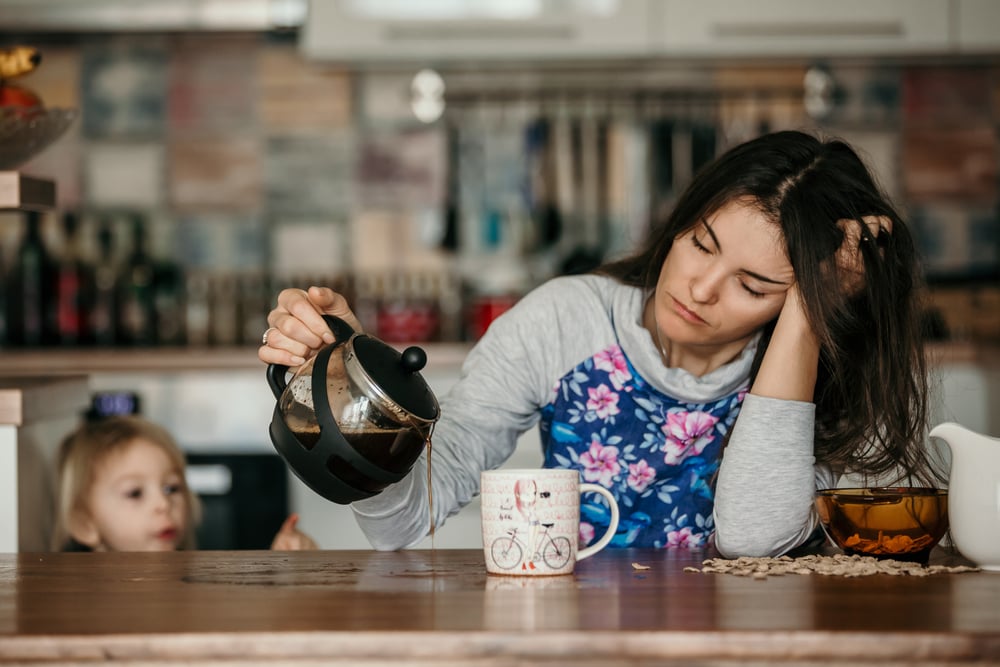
850, 261
290, 538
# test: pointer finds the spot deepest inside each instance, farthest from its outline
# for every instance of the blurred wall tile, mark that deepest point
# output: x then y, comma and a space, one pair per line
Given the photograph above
310, 176
384, 242
298, 96
946, 95
401, 169
212, 84
215, 174
880, 151
950, 163
221, 243
129, 175
307, 248
957, 242
124, 88
866, 95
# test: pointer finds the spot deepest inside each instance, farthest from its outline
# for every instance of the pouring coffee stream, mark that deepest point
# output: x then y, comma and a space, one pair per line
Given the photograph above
355, 418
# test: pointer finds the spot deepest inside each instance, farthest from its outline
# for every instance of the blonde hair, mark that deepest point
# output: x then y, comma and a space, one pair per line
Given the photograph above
84, 449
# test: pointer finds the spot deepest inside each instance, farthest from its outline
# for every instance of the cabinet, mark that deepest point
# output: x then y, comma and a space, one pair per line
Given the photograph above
977, 25
490, 29
803, 27
377, 30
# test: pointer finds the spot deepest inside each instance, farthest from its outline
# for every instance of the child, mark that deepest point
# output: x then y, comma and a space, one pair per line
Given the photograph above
122, 488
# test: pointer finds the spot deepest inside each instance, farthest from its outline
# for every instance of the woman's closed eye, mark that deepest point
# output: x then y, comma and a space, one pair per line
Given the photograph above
699, 245
703, 248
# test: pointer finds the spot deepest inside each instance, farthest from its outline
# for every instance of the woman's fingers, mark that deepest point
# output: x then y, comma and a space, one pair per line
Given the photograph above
850, 259
878, 225
297, 328
333, 303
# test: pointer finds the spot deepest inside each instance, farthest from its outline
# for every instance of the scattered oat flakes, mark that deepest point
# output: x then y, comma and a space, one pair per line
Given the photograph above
637, 566
840, 565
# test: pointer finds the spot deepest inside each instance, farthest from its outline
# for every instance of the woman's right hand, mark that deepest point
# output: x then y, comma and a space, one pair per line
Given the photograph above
297, 329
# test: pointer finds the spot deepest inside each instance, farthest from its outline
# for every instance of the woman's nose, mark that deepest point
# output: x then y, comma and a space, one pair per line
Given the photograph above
705, 287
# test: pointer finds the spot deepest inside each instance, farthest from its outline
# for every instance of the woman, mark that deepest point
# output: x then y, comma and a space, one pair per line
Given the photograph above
774, 314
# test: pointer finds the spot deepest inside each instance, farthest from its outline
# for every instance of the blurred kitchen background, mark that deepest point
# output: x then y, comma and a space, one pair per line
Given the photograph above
435, 160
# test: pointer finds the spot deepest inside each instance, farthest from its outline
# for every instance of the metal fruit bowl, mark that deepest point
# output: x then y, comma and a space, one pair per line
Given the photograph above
26, 131
903, 523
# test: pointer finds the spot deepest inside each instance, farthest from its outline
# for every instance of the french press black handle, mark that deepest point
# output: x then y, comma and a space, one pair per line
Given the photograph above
276, 373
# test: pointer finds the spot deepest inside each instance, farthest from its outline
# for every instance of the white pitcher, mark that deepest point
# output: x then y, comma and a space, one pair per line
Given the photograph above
973, 493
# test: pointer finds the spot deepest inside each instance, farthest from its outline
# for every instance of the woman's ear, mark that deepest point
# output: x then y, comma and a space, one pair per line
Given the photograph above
83, 529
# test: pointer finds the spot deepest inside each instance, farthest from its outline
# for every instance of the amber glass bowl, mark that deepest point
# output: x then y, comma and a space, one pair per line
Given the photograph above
903, 523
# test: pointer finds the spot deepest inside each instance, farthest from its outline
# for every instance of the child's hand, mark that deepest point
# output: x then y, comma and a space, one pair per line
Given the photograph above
290, 538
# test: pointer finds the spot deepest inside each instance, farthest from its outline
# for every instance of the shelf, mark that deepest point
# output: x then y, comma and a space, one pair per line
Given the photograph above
21, 192
440, 356
62, 361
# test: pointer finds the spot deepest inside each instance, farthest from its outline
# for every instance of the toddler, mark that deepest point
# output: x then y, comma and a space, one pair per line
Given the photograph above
122, 488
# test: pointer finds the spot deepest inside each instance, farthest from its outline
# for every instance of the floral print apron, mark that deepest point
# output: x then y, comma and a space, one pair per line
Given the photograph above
657, 455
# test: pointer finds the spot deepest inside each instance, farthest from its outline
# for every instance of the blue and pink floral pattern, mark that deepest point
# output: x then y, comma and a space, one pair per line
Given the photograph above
657, 455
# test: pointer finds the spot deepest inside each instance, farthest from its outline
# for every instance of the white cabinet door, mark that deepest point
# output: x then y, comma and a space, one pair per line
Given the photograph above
430, 30
977, 25
803, 27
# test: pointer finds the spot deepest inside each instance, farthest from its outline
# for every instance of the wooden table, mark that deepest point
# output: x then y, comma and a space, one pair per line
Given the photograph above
439, 607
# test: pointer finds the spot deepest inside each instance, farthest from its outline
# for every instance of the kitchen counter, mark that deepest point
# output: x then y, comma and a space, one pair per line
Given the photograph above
430, 607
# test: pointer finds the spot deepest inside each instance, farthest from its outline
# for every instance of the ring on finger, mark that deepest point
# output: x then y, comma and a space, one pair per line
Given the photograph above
263, 339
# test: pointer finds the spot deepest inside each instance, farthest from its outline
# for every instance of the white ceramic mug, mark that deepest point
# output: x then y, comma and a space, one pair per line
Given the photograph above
531, 520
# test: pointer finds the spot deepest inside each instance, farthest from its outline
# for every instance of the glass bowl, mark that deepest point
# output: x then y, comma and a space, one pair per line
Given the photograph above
903, 523
26, 131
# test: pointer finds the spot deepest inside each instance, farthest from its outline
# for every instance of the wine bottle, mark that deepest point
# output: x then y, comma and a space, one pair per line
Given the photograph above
137, 308
3, 302
73, 287
104, 310
30, 288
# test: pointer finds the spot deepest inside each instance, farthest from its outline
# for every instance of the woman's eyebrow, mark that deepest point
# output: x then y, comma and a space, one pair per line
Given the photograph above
752, 274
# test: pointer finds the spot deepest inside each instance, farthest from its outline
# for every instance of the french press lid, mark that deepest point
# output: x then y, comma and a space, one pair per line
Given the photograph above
392, 379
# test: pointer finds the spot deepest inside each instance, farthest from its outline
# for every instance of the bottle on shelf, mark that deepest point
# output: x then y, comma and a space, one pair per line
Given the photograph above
168, 303
104, 310
3, 301
74, 288
29, 288
136, 291
197, 309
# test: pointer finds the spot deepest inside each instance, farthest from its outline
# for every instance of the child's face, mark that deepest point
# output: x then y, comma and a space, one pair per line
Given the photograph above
137, 501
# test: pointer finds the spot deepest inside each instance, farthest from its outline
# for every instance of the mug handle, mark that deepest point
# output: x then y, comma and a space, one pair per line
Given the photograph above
612, 525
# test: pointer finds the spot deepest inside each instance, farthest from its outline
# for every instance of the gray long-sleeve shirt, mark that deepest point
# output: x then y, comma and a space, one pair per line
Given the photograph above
768, 476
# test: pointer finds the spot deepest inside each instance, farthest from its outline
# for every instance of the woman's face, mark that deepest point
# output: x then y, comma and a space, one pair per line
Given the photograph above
722, 281
137, 501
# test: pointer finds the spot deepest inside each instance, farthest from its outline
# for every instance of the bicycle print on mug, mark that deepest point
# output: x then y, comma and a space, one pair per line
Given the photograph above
531, 521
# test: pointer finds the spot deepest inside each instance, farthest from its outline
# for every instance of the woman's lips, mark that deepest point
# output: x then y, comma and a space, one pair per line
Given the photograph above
687, 315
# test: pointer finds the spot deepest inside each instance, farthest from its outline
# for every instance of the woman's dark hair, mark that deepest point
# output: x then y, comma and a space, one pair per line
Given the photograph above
871, 390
